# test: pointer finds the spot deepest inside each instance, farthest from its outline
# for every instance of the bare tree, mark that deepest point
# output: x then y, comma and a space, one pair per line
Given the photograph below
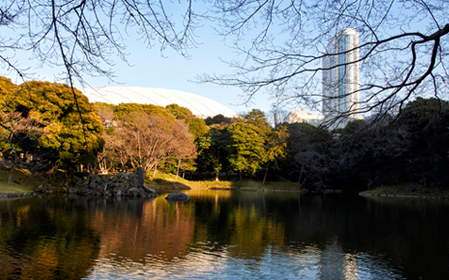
81, 36
402, 49
144, 140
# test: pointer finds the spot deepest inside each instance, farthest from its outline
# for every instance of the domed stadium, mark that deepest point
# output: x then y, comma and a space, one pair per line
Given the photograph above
200, 106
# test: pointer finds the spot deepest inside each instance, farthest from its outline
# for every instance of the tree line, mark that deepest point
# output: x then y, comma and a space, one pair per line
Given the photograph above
43, 130
410, 146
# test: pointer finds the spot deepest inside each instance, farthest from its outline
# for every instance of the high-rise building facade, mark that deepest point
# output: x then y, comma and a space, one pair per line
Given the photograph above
341, 75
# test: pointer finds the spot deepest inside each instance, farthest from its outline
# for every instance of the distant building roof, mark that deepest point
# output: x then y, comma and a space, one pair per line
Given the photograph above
200, 106
303, 116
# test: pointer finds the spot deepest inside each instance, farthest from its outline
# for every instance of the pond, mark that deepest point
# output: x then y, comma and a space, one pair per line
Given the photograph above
224, 235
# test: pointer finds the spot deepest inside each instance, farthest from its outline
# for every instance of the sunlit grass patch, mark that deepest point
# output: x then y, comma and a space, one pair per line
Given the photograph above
164, 180
23, 182
245, 185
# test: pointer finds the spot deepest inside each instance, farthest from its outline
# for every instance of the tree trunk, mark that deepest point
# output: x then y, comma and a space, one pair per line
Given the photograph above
11, 173
154, 170
265, 176
177, 170
300, 175
216, 176
240, 174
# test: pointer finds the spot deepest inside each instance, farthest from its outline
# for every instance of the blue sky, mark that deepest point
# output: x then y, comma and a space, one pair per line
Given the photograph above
147, 67
173, 71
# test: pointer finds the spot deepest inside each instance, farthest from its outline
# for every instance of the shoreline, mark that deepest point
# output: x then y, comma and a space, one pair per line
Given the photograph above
14, 195
404, 196
251, 190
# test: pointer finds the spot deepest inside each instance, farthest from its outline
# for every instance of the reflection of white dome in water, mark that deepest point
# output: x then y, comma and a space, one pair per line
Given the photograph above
200, 106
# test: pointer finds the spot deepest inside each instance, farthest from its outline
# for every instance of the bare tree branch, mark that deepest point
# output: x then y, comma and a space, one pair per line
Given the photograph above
396, 65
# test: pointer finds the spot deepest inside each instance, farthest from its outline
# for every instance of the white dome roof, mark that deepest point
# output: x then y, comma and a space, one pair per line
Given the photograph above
200, 106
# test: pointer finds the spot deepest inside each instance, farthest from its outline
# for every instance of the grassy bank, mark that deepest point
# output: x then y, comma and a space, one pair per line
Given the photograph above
23, 182
169, 181
26, 183
407, 189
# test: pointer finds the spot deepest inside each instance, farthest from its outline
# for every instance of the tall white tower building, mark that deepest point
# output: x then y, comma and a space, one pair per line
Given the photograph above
341, 77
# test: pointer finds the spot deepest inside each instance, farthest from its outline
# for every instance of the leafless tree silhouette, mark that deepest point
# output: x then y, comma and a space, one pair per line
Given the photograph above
84, 36
402, 49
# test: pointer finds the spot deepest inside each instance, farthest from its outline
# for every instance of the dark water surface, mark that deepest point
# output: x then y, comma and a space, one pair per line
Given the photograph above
224, 235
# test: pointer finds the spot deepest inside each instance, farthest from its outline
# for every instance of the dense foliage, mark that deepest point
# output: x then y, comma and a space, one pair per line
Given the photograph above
42, 127
411, 146
246, 146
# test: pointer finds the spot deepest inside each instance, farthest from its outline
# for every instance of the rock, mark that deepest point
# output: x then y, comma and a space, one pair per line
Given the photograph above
141, 193
96, 193
150, 190
122, 184
72, 190
133, 192
177, 197
85, 191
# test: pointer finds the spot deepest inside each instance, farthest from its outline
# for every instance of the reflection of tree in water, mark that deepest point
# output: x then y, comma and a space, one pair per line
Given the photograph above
346, 237
334, 237
135, 228
248, 222
45, 239
390, 234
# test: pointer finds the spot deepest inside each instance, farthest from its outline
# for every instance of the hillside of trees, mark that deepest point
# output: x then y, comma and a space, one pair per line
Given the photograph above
43, 130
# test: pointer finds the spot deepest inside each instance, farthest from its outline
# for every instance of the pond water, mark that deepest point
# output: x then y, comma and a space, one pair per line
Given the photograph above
224, 235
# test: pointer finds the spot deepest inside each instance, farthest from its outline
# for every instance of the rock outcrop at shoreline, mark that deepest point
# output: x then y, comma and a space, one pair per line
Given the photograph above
122, 184
177, 197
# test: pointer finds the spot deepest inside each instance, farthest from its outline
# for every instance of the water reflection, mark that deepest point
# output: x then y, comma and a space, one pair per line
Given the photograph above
45, 239
224, 235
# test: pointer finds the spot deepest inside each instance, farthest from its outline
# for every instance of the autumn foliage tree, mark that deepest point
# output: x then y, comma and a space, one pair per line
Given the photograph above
154, 138
144, 136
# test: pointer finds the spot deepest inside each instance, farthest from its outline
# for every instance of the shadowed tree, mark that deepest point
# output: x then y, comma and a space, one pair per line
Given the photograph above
310, 146
213, 151
21, 145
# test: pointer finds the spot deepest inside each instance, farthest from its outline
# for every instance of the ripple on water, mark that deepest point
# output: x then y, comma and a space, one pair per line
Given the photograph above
207, 264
